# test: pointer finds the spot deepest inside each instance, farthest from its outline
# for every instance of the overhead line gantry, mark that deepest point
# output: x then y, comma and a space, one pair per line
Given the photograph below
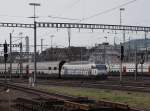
78, 26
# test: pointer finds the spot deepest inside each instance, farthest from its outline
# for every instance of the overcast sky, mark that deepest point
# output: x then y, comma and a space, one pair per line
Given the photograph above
136, 13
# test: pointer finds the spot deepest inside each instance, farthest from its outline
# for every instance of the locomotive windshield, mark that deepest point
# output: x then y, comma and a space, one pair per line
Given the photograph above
101, 67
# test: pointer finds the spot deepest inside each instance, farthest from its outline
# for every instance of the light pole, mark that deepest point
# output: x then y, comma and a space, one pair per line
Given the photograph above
52, 36
34, 5
10, 71
105, 39
129, 49
105, 50
42, 44
20, 44
69, 36
121, 10
20, 36
146, 51
35, 67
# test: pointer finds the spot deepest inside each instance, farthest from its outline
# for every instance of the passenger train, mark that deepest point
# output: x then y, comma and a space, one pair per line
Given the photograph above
51, 69
75, 69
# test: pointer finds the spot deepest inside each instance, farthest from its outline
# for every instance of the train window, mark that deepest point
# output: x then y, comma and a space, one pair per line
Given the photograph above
49, 68
101, 67
55, 68
93, 67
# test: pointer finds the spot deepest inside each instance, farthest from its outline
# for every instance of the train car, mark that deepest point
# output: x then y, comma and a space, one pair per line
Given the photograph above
44, 69
84, 70
128, 69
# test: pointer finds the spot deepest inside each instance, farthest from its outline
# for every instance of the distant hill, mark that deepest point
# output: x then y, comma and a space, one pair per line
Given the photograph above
141, 43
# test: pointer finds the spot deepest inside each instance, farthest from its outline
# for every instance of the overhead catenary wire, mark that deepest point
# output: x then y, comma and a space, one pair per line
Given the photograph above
107, 11
65, 18
53, 17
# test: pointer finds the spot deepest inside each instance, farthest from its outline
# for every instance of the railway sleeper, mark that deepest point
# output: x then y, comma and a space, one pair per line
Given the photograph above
31, 107
30, 104
59, 108
51, 102
22, 107
117, 106
90, 109
75, 105
84, 100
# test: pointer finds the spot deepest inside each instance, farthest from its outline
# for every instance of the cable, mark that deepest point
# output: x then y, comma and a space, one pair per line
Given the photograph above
63, 18
108, 10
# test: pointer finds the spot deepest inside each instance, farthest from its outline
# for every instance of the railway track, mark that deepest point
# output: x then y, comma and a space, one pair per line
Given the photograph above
126, 86
136, 86
52, 101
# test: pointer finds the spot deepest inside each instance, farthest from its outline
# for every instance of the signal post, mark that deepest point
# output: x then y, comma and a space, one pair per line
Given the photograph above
5, 57
121, 59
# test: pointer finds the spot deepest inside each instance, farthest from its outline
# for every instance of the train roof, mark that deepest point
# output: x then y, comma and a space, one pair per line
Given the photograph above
79, 62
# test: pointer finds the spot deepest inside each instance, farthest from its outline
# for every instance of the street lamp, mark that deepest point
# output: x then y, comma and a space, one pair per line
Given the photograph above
121, 10
35, 67
10, 71
105, 39
105, 50
52, 36
34, 5
42, 45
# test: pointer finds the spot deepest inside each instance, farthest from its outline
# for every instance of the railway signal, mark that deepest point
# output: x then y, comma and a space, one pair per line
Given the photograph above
122, 53
5, 50
5, 57
142, 62
5, 47
142, 59
121, 59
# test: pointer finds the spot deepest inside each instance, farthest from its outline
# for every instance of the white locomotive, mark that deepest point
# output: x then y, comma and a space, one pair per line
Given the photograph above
84, 69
